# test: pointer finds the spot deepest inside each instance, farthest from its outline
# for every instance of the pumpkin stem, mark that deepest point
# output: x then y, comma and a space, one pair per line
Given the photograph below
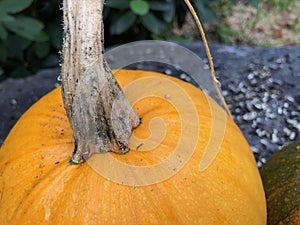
100, 115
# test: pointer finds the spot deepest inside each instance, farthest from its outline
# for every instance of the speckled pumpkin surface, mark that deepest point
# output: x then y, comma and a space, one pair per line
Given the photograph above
39, 186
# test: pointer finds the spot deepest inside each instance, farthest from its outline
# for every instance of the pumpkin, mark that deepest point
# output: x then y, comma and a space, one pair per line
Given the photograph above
39, 186
281, 179
186, 162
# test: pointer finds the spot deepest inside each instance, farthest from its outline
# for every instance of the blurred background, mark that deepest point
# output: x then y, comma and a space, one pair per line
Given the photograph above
31, 30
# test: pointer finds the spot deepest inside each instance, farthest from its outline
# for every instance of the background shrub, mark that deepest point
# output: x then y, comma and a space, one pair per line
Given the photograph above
30, 36
31, 31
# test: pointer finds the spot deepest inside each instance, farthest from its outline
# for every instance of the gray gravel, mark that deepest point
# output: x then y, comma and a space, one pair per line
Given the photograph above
261, 87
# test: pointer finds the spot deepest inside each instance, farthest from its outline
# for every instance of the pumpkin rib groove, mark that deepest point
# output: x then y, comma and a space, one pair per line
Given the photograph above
41, 182
18, 160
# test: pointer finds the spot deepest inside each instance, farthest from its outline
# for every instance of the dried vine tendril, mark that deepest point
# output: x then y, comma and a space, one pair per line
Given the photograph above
211, 64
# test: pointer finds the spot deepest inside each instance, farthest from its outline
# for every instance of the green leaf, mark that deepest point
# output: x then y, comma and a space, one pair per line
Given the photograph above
226, 33
139, 7
14, 6
41, 49
169, 14
254, 3
5, 17
152, 23
161, 6
117, 4
122, 23
27, 27
15, 46
206, 13
55, 33
3, 33
41, 36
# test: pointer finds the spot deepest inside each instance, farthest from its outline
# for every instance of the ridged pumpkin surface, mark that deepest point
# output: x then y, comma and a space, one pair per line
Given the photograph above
39, 186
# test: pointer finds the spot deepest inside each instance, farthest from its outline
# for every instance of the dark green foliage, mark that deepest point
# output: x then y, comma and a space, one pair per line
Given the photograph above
130, 20
30, 36
31, 30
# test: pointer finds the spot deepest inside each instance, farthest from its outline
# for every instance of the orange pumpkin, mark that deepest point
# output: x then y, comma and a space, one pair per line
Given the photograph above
38, 185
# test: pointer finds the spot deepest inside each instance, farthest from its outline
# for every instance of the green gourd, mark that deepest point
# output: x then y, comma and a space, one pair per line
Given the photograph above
281, 179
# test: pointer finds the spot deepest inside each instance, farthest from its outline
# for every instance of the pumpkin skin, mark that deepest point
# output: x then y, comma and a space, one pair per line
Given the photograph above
39, 186
281, 179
